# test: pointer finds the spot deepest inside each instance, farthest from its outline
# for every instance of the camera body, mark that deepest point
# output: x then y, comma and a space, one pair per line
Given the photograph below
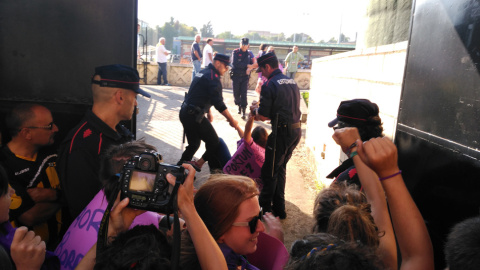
144, 181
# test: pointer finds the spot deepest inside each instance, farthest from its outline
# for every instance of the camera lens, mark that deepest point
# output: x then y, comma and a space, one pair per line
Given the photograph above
145, 164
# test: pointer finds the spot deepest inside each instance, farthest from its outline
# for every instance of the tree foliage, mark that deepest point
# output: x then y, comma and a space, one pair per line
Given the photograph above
300, 38
207, 30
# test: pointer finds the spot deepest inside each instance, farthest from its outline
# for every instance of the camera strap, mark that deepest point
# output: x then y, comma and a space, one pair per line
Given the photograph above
102, 238
175, 259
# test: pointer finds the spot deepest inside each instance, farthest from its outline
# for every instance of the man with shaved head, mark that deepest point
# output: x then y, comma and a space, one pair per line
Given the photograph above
30, 166
114, 89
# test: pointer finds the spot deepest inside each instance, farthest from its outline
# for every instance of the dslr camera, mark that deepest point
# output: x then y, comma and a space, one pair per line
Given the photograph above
144, 181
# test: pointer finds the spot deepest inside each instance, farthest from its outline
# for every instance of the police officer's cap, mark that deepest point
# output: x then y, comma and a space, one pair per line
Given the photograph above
222, 58
245, 41
268, 58
119, 76
356, 112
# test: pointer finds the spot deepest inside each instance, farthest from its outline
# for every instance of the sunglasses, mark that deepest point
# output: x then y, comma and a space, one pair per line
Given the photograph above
49, 126
252, 223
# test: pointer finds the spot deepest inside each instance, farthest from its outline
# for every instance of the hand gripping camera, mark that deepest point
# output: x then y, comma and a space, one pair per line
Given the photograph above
144, 181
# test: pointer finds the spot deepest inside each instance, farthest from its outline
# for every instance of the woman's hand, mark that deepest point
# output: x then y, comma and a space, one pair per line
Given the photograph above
274, 226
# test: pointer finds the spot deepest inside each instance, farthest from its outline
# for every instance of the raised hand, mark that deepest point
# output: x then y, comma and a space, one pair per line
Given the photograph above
380, 154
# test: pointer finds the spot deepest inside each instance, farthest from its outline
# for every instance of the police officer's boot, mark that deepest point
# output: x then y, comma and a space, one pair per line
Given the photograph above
239, 109
243, 110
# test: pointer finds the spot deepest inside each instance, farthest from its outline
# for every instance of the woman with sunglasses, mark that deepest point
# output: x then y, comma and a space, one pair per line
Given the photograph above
228, 205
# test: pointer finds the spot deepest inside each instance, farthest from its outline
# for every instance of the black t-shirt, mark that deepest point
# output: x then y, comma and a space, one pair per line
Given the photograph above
25, 173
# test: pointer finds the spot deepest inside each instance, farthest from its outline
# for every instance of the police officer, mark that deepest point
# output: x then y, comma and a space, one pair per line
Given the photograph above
280, 103
241, 58
205, 92
114, 89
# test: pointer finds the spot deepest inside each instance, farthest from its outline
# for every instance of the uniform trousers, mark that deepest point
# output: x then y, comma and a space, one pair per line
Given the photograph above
272, 196
240, 85
197, 132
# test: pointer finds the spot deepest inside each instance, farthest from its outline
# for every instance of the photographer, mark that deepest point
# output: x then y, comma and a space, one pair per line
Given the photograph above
121, 218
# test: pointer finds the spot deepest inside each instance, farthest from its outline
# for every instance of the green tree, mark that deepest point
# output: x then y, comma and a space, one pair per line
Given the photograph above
300, 38
254, 36
226, 35
207, 30
343, 38
332, 40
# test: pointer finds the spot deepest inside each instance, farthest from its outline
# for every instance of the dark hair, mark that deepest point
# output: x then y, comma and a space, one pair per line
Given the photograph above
142, 247
115, 157
260, 136
263, 46
3, 181
463, 245
209, 39
331, 253
17, 117
343, 210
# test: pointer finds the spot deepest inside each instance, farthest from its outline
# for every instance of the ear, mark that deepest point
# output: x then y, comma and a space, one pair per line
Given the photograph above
119, 96
221, 239
25, 132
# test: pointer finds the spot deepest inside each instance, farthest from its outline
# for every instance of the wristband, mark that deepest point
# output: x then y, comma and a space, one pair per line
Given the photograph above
390, 176
354, 153
349, 149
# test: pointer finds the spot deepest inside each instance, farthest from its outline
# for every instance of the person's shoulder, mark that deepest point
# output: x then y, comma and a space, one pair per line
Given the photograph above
236, 50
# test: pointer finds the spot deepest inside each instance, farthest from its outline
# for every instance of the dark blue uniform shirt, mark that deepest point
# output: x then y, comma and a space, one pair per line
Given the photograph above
240, 60
206, 90
280, 94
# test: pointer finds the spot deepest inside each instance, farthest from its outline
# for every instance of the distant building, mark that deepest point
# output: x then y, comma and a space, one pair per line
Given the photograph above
282, 48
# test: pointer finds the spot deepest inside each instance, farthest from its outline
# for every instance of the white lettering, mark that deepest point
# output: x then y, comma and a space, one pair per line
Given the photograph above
22, 171
286, 81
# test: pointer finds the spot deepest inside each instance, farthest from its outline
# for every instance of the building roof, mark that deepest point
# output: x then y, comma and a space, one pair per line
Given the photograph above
280, 43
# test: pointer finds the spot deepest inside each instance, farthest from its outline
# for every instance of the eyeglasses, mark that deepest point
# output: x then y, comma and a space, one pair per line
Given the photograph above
252, 223
49, 126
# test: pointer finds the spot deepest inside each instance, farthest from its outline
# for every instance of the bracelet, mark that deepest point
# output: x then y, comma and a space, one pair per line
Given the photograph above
354, 153
390, 176
349, 149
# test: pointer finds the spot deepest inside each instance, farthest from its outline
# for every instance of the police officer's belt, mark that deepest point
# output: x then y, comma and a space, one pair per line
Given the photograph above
291, 126
192, 109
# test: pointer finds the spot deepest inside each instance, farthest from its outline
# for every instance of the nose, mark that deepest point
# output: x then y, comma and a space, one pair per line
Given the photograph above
55, 128
260, 226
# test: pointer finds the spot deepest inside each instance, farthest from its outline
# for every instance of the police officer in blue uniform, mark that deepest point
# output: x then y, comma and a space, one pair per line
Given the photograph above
280, 103
241, 58
205, 92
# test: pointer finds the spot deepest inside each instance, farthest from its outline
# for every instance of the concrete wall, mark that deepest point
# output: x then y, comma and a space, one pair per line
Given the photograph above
373, 73
385, 22
181, 75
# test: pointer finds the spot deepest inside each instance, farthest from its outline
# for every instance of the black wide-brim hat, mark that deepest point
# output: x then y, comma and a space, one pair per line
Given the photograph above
355, 112
119, 76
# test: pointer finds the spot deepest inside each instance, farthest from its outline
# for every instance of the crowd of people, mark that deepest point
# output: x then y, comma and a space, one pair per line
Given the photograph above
52, 200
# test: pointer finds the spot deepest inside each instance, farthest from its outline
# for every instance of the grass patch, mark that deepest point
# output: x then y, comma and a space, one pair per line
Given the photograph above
305, 96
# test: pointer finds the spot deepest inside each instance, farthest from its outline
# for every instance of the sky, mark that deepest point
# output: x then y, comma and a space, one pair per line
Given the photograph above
320, 19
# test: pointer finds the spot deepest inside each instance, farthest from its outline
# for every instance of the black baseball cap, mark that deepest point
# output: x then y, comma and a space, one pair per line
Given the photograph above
355, 112
119, 76
245, 41
268, 58
222, 58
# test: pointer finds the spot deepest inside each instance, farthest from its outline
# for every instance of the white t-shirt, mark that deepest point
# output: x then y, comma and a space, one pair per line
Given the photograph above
206, 50
161, 57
